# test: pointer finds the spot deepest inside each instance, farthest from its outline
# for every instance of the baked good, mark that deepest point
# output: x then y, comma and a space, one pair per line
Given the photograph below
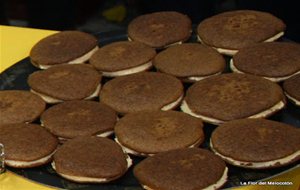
292, 89
18, 106
256, 143
160, 29
67, 47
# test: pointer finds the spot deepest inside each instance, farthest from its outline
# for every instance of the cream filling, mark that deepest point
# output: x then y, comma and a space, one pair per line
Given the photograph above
281, 161
51, 100
90, 179
231, 52
185, 108
195, 78
128, 71
133, 152
215, 186
175, 43
14, 163
105, 134
78, 60
297, 102
273, 79
172, 105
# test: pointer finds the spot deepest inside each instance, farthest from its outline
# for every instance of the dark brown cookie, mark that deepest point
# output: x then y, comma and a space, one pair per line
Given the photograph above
160, 29
142, 91
65, 82
238, 29
77, 118
189, 169
150, 132
91, 159
62, 47
123, 58
190, 61
233, 96
17, 106
27, 145
257, 143
292, 89
275, 61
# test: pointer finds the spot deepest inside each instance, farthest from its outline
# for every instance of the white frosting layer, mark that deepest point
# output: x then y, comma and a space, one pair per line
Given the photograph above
195, 78
51, 100
175, 43
172, 105
231, 52
185, 108
14, 163
215, 186
273, 79
137, 69
297, 102
105, 134
256, 165
78, 60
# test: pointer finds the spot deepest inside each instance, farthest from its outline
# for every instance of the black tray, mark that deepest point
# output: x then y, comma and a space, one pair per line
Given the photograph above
15, 77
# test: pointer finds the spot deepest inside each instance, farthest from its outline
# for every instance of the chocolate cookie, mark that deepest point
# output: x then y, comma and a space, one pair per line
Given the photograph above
160, 29
67, 47
190, 62
17, 106
65, 82
292, 89
91, 160
27, 145
77, 118
150, 132
256, 143
230, 31
189, 168
142, 91
233, 96
276, 61
123, 58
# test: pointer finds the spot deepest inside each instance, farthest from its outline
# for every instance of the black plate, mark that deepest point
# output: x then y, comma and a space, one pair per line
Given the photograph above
15, 77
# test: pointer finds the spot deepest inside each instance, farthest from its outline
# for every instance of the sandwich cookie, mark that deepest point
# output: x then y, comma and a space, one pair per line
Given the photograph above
188, 168
17, 106
27, 145
292, 89
78, 118
276, 61
256, 143
150, 132
91, 160
227, 97
65, 83
190, 62
67, 47
123, 58
141, 92
160, 29
230, 31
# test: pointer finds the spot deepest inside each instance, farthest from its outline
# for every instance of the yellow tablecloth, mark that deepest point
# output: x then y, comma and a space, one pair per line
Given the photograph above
16, 43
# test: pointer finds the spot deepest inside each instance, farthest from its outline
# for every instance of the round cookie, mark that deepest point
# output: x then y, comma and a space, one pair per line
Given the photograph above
276, 61
233, 96
194, 168
150, 132
67, 47
91, 160
78, 118
65, 83
190, 62
17, 106
123, 58
141, 92
27, 145
292, 89
230, 31
256, 143
160, 29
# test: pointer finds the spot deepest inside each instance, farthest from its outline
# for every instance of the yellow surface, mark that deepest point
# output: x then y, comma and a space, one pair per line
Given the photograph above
15, 45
